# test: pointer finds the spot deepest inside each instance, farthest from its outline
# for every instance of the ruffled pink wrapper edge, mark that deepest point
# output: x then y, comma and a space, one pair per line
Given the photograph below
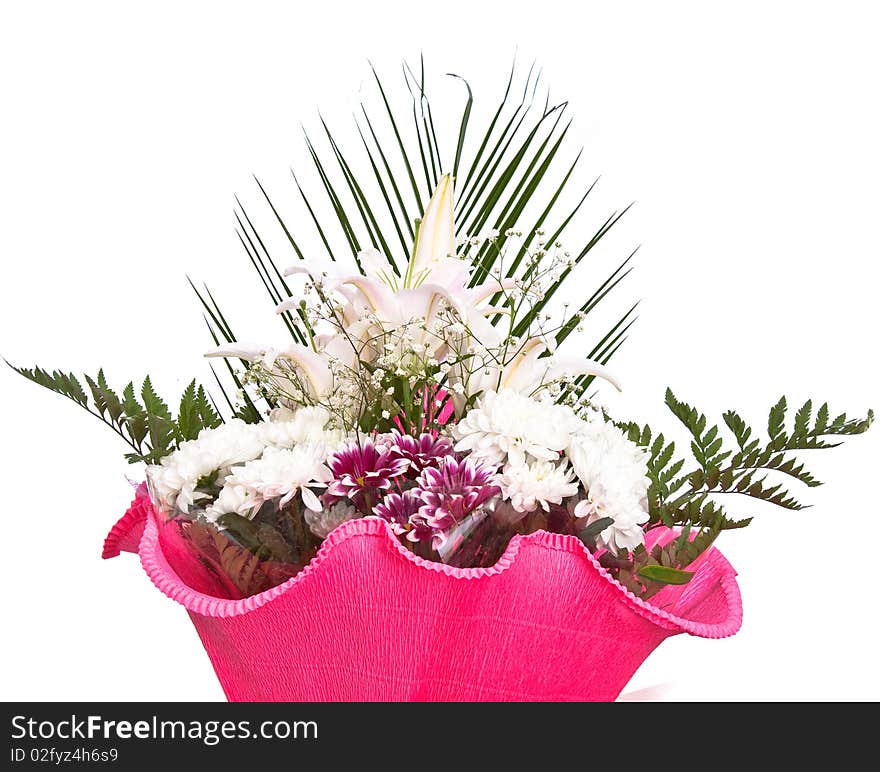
368, 620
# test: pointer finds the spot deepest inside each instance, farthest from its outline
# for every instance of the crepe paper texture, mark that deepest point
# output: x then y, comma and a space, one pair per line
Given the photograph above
367, 620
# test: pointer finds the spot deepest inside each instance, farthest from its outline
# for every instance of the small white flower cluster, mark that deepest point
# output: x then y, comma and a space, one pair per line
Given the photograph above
551, 456
247, 463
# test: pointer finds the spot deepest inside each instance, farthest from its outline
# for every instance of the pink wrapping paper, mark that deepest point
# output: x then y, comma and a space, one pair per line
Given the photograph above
368, 620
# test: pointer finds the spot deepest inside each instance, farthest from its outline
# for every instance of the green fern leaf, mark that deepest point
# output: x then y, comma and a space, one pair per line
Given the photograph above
153, 402
802, 419
208, 416
188, 422
776, 419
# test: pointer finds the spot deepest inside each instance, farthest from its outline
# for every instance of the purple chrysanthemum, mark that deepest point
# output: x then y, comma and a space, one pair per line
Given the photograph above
452, 491
362, 472
426, 450
398, 509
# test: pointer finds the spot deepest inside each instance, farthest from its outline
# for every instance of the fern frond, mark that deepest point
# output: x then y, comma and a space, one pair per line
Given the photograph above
149, 429
685, 498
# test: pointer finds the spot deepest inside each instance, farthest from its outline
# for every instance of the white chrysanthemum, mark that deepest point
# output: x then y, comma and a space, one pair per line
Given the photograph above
540, 483
233, 499
282, 473
175, 478
506, 426
306, 425
322, 522
613, 471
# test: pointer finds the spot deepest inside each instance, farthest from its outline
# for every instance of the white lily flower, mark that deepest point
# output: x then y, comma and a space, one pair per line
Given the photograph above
530, 370
435, 240
527, 373
433, 280
312, 364
429, 313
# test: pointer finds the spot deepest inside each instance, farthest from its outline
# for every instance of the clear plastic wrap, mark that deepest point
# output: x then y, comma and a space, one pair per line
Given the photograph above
240, 558
234, 557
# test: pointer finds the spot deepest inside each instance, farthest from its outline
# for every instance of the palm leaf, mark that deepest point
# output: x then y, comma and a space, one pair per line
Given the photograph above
401, 146
504, 139
518, 164
465, 118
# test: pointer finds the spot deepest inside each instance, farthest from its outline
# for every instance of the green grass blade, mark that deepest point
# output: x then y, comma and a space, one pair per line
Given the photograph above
532, 232
529, 235
335, 202
220, 315
407, 218
488, 201
462, 129
439, 169
505, 139
279, 277
287, 233
424, 160
606, 348
280, 293
554, 237
378, 175
228, 336
222, 390
427, 122
251, 407
434, 145
487, 136
403, 153
509, 215
273, 296
601, 292
522, 326
471, 199
363, 205
314, 217
514, 207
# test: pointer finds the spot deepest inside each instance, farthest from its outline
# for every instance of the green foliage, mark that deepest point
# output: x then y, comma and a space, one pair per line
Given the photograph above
276, 541
645, 572
665, 575
218, 326
680, 496
237, 567
588, 535
148, 427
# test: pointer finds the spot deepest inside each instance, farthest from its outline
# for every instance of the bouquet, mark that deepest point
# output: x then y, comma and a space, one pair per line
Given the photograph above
429, 390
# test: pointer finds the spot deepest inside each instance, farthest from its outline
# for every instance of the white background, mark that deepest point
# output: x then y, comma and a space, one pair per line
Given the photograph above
746, 133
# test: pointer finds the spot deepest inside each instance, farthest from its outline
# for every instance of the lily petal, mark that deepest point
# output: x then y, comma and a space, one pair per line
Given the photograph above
436, 236
525, 372
520, 373
487, 289
287, 305
376, 266
575, 367
377, 295
313, 268
238, 351
313, 365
